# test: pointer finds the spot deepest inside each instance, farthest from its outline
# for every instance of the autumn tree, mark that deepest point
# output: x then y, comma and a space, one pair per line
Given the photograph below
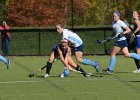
49, 12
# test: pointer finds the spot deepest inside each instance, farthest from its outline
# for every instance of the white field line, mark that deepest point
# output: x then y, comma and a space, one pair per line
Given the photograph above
11, 82
65, 80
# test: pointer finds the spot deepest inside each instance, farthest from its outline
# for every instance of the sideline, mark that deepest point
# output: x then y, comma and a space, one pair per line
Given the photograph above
10, 82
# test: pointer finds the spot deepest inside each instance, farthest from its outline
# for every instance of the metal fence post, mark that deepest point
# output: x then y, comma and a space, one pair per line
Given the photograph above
72, 14
105, 49
39, 41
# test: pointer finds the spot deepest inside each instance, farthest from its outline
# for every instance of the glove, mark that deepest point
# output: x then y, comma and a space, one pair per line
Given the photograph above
133, 35
119, 35
108, 39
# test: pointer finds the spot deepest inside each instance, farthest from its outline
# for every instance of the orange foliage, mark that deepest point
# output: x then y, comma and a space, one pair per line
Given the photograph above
38, 12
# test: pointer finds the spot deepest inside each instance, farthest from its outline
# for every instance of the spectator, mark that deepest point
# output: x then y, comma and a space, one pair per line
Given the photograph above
5, 43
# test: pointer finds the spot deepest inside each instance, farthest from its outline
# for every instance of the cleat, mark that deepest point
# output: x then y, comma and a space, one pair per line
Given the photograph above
107, 71
8, 64
136, 71
46, 76
62, 75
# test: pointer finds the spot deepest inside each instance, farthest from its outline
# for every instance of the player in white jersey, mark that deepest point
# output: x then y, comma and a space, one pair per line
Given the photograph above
120, 43
78, 47
73, 37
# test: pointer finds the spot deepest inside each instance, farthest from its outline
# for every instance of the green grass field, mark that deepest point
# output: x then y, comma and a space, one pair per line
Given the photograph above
16, 85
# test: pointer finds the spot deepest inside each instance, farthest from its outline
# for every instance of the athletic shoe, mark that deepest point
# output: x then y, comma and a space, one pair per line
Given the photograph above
46, 76
107, 71
62, 75
97, 66
8, 64
136, 71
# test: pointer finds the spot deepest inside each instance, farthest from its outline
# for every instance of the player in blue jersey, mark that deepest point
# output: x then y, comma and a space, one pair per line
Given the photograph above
78, 47
63, 51
119, 29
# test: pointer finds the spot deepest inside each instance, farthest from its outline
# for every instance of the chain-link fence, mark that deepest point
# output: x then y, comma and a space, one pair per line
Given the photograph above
41, 41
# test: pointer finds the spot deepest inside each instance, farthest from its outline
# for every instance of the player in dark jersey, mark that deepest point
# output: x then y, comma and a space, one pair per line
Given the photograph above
136, 34
63, 51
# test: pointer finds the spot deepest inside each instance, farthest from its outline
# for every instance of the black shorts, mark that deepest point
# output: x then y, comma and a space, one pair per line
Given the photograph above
121, 44
137, 42
80, 48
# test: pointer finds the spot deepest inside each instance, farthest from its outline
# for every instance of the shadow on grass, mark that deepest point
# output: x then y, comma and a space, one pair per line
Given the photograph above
133, 81
122, 72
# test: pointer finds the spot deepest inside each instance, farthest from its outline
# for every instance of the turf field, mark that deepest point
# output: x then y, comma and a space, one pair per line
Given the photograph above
16, 85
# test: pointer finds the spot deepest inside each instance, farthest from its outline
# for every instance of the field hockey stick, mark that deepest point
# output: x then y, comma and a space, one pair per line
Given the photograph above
91, 74
76, 71
80, 72
36, 72
106, 40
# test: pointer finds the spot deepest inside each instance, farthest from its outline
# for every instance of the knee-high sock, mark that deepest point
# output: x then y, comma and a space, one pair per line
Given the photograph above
89, 62
135, 56
3, 59
137, 63
48, 67
112, 63
78, 68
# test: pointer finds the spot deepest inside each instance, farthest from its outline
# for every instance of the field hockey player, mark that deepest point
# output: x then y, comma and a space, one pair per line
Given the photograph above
78, 48
136, 35
120, 43
63, 51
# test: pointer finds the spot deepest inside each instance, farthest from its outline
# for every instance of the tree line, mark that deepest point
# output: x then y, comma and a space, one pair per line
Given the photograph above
21, 13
